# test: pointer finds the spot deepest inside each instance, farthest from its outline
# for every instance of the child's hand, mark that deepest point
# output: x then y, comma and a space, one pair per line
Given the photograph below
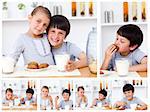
70, 66
57, 97
110, 51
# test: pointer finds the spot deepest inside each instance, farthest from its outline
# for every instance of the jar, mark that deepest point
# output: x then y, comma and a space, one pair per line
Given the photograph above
91, 50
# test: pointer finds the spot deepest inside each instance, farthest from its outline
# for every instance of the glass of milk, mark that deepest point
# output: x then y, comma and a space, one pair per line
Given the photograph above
61, 61
122, 66
8, 65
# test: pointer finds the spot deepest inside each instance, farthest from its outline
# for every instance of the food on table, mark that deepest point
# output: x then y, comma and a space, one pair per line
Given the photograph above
35, 65
116, 47
43, 65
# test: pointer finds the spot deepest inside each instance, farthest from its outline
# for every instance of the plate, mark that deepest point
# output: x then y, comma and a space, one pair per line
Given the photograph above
35, 70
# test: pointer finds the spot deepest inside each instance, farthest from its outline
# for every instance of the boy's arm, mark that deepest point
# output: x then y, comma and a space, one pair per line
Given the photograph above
94, 102
140, 67
108, 56
82, 62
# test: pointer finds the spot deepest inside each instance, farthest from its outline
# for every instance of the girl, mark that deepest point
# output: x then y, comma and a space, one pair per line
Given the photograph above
57, 31
81, 98
34, 44
46, 100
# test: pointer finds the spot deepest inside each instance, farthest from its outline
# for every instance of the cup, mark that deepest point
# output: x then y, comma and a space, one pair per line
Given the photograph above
16, 102
27, 103
122, 66
10, 104
133, 106
99, 105
61, 61
83, 105
67, 107
8, 65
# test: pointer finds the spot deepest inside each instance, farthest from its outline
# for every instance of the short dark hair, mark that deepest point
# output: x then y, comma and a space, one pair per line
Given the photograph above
59, 22
45, 10
103, 91
9, 89
133, 33
128, 87
80, 87
45, 87
66, 91
30, 90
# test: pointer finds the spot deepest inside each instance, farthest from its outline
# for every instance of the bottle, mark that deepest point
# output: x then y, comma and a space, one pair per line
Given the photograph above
69, 85
91, 50
125, 11
74, 8
134, 11
28, 84
82, 8
101, 85
91, 8
143, 10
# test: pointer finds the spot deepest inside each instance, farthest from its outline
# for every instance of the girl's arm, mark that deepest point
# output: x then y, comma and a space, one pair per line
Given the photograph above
51, 102
140, 67
56, 103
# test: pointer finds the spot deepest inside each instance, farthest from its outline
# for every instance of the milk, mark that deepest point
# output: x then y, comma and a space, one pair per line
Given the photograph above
99, 105
61, 61
83, 105
67, 107
8, 65
122, 66
133, 106
16, 102
27, 103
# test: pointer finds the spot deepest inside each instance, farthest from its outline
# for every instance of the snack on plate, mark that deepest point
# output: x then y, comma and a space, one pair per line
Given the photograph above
33, 65
43, 65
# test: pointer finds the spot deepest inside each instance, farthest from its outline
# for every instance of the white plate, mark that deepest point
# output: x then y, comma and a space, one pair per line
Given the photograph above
35, 70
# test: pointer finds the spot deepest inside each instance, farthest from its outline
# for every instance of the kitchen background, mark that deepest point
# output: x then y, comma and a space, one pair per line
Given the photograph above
82, 16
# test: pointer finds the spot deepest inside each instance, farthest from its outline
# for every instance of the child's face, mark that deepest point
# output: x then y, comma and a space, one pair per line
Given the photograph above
29, 96
129, 94
66, 96
9, 95
101, 96
123, 44
44, 92
56, 37
81, 92
38, 23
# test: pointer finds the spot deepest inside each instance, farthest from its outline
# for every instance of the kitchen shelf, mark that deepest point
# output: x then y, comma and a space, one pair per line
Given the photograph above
123, 23
25, 19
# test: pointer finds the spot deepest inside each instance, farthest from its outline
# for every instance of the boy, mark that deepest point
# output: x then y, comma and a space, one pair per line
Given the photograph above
102, 99
29, 96
57, 31
129, 99
81, 98
9, 96
65, 103
129, 38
